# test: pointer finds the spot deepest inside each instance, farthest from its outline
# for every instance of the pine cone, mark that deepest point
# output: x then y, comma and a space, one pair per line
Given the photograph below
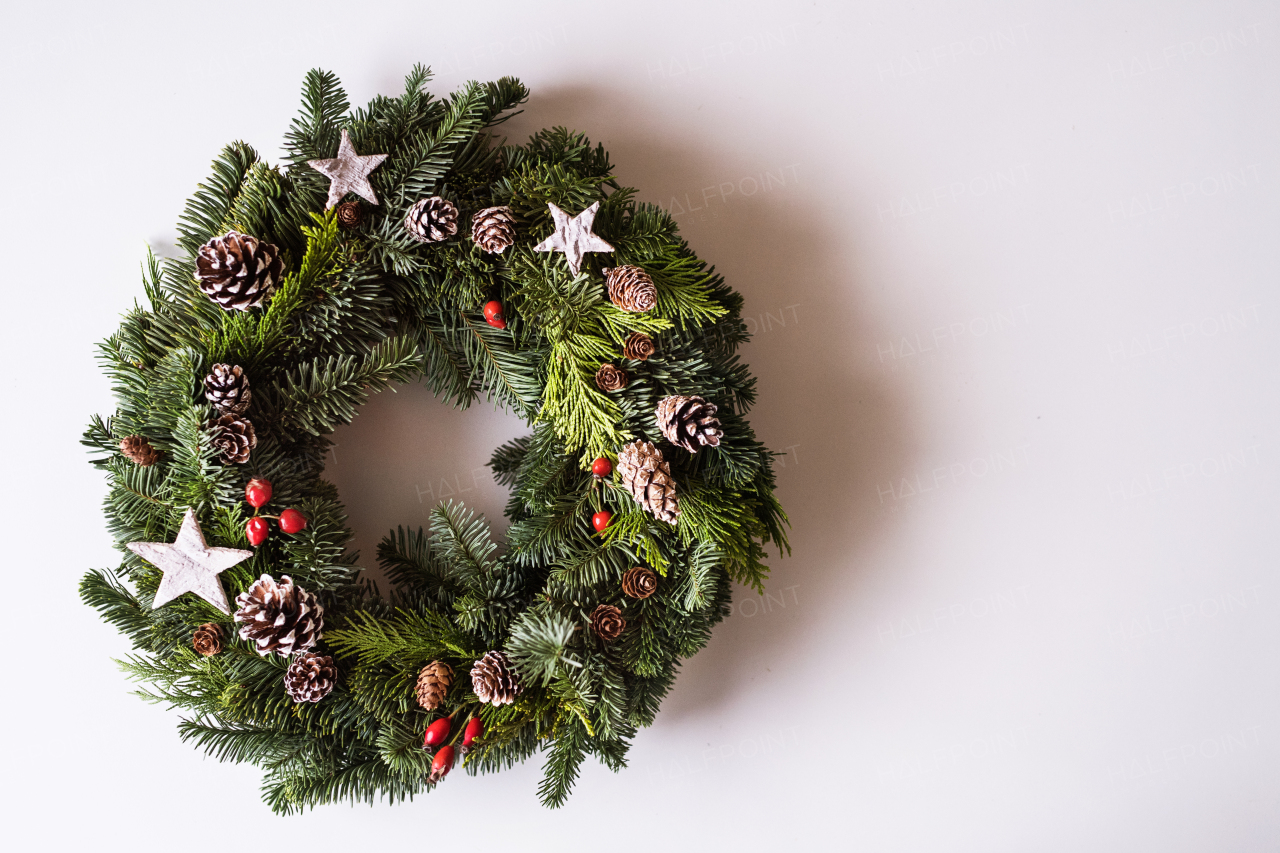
638, 347
350, 214
494, 679
238, 271
610, 378
647, 476
493, 229
234, 438
631, 288
310, 677
139, 451
689, 422
433, 684
227, 388
607, 622
279, 617
207, 639
639, 582
431, 220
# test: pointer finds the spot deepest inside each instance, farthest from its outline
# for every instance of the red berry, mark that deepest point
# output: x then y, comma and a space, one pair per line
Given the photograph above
601, 520
257, 530
474, 729
292, 521
493, 314
602, 467
442, 763
257, 492
437, 732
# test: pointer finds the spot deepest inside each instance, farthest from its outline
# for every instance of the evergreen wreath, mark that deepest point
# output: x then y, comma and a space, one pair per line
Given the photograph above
404, 242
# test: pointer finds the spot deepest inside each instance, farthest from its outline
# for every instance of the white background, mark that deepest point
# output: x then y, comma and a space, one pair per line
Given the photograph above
1013, 273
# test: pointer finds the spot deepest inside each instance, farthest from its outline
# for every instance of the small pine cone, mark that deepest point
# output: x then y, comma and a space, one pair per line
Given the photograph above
234, 438
227, 388
238, 271
638, 347
610, 378
310, 677
647, 476
494, 679
607, 622
631, 288
433, 684
639, 582
431, 220
279, 617
493, 229
139, 451
689, 422
207, 639
350, 214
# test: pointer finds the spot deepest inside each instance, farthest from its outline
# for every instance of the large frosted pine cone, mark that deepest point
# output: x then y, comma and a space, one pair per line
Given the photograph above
689, 422
238, 271
631, 288
495, 680
433, 684
493, 229
234, 438
310, 677
647, 476
431, 220
279, 617
227, 389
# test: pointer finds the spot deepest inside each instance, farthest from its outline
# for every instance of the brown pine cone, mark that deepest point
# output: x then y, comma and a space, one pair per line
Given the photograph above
350, 214
431, 220
238, 271
310, 677
279, 617
433, 684
207, 639
689, 422
610, 378
607, 622
227, 389
139, 451
639, 582
638, 347
631, 288
647, 476
495, 680
493, 229
234, 438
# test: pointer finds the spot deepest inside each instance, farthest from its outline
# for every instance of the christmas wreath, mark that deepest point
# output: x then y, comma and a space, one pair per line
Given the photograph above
404, 242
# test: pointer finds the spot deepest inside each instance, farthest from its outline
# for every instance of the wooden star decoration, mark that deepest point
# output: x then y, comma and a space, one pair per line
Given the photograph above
348, 172
189, 565
573, 236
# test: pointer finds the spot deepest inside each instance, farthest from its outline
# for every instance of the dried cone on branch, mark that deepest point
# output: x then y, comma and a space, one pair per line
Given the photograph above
207, 639
494, 679
279, 617
433, 684
493, 229
310, 677
631, 288
647, 476
350, 214
238, 271
639, 582
227, 389
234, 438
607, 622
432, 220
638, 347
139, 451
610, 378
690, 422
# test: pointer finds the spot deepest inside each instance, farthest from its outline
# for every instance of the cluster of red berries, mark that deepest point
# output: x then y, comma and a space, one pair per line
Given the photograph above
257, 492
438, 733
600, 469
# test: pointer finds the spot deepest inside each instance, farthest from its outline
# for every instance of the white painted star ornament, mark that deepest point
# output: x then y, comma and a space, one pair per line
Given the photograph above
573, 236
190, 565
348, 172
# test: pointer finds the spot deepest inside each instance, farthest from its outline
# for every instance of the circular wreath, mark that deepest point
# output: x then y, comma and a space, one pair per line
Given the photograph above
402, 242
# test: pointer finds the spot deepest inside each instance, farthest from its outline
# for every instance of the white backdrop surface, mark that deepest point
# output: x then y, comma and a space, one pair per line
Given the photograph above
1012, 269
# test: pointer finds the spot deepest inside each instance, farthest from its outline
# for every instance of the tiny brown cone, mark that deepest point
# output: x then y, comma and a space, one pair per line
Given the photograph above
433, 684
207, 639
639, 582
631, 288
139, 451
607, 622
610, 378
350, 214
638, 347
